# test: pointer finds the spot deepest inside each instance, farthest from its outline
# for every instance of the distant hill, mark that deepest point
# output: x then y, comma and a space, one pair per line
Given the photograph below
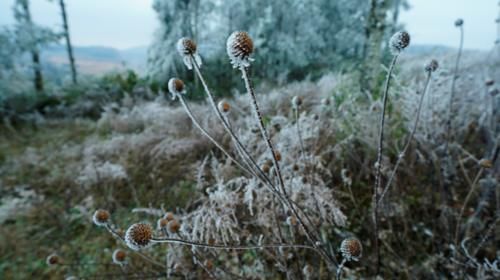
97, 60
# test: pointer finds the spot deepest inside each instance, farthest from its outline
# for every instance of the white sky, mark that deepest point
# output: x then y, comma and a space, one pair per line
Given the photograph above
130, 23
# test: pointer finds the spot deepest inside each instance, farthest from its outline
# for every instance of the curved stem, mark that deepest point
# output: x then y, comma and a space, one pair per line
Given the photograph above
408, 142
453, 83
379, 160
339, 269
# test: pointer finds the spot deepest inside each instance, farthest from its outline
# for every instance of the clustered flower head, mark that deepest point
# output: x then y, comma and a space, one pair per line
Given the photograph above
187, 49
239, 47
459, 22
162, 223
351, 249
399, 41
432, 66
173, 226
101, 217
138, 236
53, 259
169, 216
119, 257
176, 87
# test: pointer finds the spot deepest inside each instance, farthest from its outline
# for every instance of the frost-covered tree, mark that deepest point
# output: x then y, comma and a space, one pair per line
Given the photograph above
30, 37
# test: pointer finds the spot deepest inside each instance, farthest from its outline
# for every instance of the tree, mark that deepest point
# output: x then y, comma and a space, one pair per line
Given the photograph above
69, 47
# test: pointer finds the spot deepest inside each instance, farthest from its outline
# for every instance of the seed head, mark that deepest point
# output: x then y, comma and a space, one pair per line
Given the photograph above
296, 102
173, 226
278, 155
486, 163
162, 223
489, 82
169, 216
432, 66
119, 256
208, 264
138, 236
53, 259
176, 87
325, 101
265, 168
459, 22
399, 41
351, 249
494, 92
224, 107
239, 47
187, 49
101, 217
291, 221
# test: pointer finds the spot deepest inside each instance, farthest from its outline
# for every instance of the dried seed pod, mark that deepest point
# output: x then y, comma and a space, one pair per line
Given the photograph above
489, 82
208, 264
224, 107
187, 49
138, 236
486, 163
296, 102
119, 257
53, 259
432, 66
459, 22
265, 168
291, 221
326, 101
162, 223
278, 155
239, 47
176, 87
173, 226
101, 217
399, 41
351, 249
169, 216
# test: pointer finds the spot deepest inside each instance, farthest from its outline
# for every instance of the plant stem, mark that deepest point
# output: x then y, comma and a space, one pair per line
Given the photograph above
379, 161
408, 142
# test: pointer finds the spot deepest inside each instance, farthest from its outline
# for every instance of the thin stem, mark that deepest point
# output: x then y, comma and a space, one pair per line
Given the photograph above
467, 198
270, 146
379, 160
453, 83
230, 247
339, 269
197, 124
408, 142
299, 134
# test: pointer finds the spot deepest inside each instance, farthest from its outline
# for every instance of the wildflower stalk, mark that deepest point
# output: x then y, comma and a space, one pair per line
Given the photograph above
339, 269
197, 124
378, 164
453, 83
299, 134
270, 146
408, 142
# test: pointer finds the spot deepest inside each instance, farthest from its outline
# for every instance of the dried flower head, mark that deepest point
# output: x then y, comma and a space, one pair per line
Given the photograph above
239, 47
224, 107
278, 155
169, 216
296, 101
101, 217
138, 236
119, 257
176, 87
162, 223
53, 259
459, 22
351, 249
325, 101
432, 66
291, 221
489, 82
173, 226
209, 264
494, 92
486, 163
265, 168
399, 41
187, 49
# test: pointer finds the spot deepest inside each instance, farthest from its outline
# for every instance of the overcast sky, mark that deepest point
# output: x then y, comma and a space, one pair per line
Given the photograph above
130, 23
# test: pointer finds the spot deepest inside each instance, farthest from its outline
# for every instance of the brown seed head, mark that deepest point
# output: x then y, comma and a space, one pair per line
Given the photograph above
486, 163
101, 217
239, 47
53, 259
431, 66
278, 155
162, 223
173, 226
296, 101
399, 41
351, 249
223, 106
138, 236
208, 264
169, 216
176, 86
265, 168
119, 256
186, 46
